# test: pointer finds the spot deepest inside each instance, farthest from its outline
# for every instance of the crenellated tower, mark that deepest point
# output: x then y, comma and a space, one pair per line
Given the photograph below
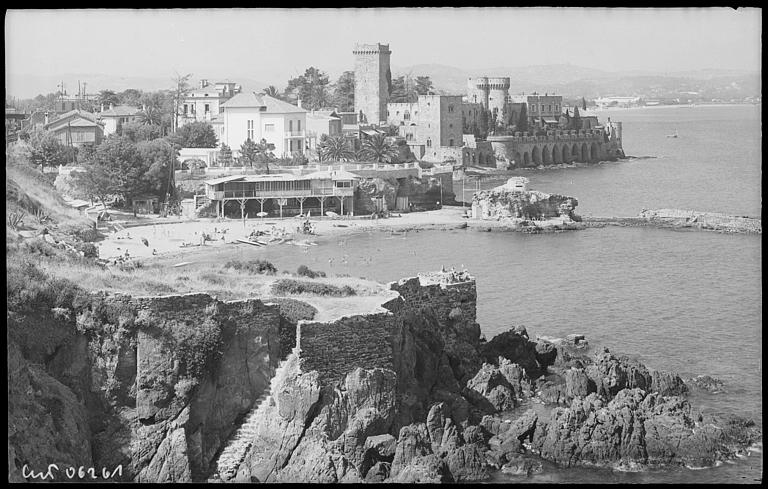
372, 81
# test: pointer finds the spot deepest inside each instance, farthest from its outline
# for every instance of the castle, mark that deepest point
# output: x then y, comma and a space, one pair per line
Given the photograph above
439, 128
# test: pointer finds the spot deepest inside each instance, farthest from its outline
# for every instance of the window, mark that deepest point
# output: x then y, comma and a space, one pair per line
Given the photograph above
429, 143
450, 142
290, 126
407, 116
193, 109
185, 109
250, 130
298, 125
450, 126
450, 108
290, 145
269, 128
340, 184
207, 108
549, 107
387, 113
299, 145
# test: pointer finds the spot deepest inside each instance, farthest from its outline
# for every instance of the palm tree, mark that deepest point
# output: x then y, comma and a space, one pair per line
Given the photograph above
335, 148
378, 149
272, 91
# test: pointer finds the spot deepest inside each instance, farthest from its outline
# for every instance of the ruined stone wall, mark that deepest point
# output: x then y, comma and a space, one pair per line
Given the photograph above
443, 298
336, 348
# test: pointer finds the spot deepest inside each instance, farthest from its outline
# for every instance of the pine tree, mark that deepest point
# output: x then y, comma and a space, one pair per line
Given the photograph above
583, 103
522, 120
576, 119
225, 155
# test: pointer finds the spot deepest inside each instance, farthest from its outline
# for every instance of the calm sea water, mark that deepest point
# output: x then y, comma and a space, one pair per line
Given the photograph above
686, 301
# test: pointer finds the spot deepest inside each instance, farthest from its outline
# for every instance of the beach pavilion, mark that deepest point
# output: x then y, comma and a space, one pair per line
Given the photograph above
282, 187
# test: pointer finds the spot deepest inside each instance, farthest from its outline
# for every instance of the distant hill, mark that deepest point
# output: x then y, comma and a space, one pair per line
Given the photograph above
574, 81
29, 86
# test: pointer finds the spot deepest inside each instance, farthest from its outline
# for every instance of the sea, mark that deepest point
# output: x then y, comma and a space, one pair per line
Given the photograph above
687, 301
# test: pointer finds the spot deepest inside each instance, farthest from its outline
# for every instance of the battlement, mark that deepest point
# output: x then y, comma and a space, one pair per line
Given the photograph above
485, 83
371, 49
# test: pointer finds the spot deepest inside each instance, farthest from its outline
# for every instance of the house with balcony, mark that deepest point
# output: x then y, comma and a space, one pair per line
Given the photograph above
258, 116
284, 194
203, 104
319, 123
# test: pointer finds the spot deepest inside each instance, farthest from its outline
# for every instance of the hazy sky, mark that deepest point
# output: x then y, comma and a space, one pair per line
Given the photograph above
274, 44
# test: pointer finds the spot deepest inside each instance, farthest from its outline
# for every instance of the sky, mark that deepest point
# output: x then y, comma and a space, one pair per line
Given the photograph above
276, 44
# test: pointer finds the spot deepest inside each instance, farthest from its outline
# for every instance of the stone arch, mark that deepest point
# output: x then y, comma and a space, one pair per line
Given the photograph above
518, 159
584, 153
593, 152
575, 152
566, 154
546, 155
526, 159
556, 155
536, 155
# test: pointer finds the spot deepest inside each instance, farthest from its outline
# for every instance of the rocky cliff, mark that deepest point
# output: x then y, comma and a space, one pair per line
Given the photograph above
406, 393
150, 384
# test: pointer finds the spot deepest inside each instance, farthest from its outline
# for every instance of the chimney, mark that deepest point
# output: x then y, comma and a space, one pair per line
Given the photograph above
102, 107
298, 103
46, 118
111, 106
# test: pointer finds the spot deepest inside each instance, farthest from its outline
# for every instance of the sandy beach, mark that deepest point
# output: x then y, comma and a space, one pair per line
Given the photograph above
175, 238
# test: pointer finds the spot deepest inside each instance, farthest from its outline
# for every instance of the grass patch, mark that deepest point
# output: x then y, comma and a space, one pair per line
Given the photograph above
286, 286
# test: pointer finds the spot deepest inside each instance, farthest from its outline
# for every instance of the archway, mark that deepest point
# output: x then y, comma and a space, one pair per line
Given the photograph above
566, 154
536, 156
518, 159
584, 153
546, 155
526, 159
575, 152
556, 155
593, 152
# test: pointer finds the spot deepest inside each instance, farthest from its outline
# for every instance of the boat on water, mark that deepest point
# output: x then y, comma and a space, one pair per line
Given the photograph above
672, 135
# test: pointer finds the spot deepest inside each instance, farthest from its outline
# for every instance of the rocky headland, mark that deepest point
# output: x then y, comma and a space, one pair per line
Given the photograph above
187, 387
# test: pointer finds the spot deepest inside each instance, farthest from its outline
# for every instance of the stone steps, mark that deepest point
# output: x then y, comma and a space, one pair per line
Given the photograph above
237, 446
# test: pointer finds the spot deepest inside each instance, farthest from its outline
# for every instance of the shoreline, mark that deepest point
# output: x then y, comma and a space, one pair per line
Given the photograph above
167, 238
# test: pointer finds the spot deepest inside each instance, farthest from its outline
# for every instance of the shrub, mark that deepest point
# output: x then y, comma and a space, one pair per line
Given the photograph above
212, 278
304, 271
289, 286
253, 266
198, 347
89, 250
81, 232
294, 310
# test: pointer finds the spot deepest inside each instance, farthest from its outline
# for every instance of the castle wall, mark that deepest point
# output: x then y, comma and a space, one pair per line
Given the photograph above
555, 148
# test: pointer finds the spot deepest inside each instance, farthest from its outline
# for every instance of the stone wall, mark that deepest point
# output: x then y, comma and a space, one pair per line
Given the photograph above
336, 348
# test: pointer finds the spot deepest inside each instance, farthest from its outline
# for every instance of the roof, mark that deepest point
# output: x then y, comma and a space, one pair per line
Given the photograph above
83, 119
551, 120
333, 175
120, 111
272, 105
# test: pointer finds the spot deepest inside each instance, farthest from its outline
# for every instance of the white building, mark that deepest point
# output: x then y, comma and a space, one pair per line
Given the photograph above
258, 116
114, 117
203, 104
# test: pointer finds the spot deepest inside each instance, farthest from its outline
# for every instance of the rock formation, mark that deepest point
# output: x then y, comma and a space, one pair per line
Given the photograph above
407, 393
508, 202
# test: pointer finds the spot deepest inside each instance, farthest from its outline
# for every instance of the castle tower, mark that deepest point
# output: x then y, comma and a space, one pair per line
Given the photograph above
498, 92
492, 93
372, 81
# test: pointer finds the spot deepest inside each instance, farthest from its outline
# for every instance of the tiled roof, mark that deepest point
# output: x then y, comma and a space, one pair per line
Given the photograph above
272, 105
